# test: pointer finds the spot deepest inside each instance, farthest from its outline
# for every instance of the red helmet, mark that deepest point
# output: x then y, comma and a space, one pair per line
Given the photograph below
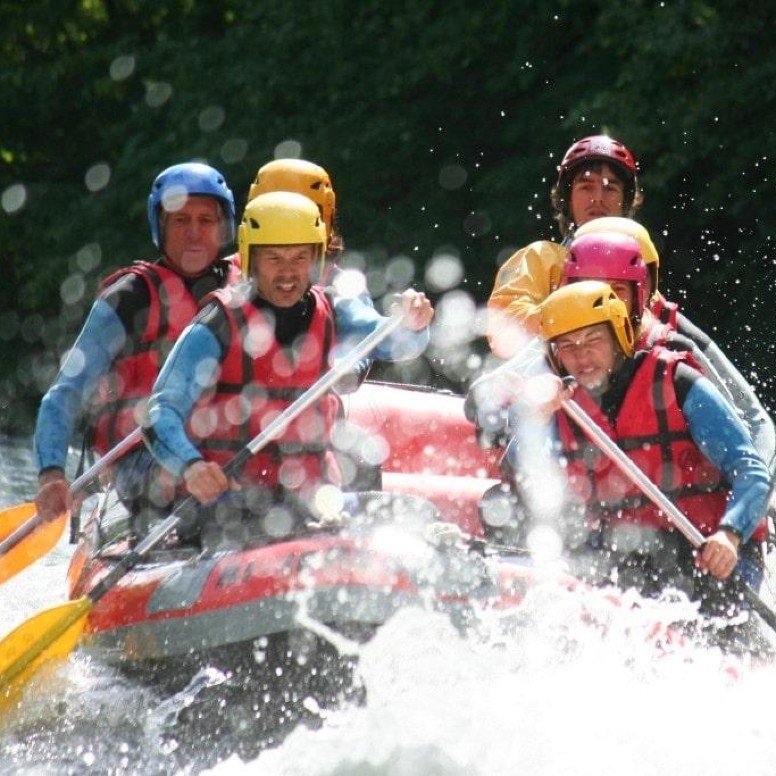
599, 148
608, 256
596, 148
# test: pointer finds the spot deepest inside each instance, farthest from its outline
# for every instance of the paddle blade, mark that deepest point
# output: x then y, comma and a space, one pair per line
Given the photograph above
31, 547
12, 517
48, 635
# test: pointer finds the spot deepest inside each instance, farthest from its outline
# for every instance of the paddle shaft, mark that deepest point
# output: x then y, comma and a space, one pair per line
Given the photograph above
269, 434
55, 632
526, 358
658, 498
94, 471
634, 474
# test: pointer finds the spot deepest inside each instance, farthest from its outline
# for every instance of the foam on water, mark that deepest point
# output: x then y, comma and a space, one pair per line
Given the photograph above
548, 696
569, 684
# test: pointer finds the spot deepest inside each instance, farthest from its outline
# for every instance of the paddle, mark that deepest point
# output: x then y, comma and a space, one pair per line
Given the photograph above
26, 536
55, 632
659, 499
526, 358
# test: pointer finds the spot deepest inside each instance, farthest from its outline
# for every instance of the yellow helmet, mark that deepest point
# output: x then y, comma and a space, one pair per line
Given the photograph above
300, 176
279, 218
584, 304
633, 229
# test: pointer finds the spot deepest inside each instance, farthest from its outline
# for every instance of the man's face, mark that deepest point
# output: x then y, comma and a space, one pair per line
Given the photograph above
596, 193
589, 355
193, 235
282, 272
626, 291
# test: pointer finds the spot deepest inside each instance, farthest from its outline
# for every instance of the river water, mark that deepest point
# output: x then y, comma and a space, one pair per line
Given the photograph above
567, 687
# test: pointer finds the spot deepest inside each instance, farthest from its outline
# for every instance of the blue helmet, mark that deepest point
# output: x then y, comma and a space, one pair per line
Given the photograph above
190, 178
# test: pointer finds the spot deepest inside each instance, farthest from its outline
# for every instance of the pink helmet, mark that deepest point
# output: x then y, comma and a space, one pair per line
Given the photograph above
608, 256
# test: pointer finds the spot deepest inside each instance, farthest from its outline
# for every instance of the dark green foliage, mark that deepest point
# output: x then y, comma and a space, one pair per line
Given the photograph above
392, 98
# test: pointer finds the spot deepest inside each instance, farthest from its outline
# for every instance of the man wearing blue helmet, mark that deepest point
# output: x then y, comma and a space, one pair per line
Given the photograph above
139, 312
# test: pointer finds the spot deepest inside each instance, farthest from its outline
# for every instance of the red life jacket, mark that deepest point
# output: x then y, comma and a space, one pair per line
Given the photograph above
664, 310
257, 382
657, 335
652, 430
120, 397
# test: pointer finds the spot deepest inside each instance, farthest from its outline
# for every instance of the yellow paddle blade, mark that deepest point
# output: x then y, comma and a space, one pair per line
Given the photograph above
12, 517
48, 635
31, 548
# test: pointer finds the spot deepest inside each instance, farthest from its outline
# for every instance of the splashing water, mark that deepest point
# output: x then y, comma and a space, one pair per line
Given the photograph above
537, 700
569, 683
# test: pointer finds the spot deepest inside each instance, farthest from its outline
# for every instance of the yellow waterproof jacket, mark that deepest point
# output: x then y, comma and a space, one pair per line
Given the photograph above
524, 281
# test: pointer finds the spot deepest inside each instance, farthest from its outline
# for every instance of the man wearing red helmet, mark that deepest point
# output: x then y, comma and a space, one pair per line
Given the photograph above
597, 182
596, 178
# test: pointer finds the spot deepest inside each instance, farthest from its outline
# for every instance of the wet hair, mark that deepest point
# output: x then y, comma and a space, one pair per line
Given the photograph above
335, 246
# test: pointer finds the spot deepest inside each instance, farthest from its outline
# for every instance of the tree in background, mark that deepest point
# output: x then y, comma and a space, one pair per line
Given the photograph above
441, 124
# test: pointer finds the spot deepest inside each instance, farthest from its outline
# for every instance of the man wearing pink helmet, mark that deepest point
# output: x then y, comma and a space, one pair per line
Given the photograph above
618, 259
597, 177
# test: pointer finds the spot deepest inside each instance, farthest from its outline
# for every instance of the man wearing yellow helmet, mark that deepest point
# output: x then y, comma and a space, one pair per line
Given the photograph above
308, 179
599, 251
252, 349
671, 422
314, 182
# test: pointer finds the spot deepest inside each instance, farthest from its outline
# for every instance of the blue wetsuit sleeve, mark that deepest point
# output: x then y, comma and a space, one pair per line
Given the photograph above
724, 440
728, 379
356, 319
101, 339
361, 370
191, 367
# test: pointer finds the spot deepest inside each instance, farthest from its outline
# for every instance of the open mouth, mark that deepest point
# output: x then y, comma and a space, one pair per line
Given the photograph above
286, 286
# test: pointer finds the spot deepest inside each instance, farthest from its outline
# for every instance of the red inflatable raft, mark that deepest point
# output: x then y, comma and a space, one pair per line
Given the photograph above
416, 448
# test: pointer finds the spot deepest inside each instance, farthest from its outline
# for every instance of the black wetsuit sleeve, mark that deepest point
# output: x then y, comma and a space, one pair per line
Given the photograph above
679, 343
684, 379
130, 299
214, 317
687, 328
